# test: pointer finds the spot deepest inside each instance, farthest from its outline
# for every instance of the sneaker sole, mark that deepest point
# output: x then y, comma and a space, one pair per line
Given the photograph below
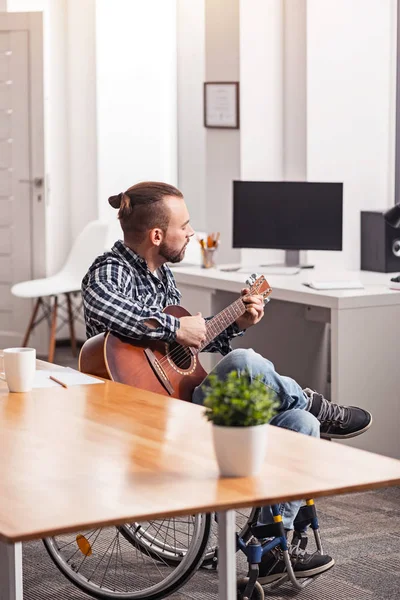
299, 574
347, 436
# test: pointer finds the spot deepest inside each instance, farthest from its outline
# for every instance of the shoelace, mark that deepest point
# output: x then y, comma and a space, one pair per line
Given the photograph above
331, 412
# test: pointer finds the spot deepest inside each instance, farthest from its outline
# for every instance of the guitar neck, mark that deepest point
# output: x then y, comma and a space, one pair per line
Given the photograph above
222, 320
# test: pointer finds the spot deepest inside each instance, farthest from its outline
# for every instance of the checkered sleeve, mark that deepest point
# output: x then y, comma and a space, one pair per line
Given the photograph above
108, 306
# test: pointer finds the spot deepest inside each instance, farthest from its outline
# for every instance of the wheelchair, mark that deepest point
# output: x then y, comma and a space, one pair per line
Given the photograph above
153, 559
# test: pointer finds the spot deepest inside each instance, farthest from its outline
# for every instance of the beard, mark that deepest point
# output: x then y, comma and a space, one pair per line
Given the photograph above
170, 254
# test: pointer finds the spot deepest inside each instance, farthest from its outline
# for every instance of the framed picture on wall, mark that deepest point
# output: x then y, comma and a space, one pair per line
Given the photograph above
221, 104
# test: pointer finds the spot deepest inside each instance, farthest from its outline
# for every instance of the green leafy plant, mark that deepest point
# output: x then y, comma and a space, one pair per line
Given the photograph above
239, 400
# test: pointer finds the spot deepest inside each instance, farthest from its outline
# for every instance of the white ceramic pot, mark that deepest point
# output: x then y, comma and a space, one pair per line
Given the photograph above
240, 451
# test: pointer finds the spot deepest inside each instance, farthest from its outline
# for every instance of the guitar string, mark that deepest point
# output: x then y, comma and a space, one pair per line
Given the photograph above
182, 353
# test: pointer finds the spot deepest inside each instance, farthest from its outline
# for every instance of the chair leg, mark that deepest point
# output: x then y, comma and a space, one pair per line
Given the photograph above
52, 343
71, 324
31, 322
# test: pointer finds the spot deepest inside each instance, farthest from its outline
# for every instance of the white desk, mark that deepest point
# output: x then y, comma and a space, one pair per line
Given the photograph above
345, 343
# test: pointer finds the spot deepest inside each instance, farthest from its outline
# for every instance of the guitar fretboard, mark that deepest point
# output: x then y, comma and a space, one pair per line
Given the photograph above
222, 320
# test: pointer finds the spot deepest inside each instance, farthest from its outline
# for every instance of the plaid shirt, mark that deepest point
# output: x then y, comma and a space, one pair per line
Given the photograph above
120, 293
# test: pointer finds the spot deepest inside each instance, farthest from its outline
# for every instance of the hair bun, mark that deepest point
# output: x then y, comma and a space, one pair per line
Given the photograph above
115, 201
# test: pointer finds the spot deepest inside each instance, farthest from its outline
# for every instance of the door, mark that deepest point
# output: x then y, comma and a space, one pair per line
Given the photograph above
22, 205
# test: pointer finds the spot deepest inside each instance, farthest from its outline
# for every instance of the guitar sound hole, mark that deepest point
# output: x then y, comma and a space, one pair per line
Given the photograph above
180, 356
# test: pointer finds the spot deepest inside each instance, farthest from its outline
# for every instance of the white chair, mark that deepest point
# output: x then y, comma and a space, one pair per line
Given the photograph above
90, 243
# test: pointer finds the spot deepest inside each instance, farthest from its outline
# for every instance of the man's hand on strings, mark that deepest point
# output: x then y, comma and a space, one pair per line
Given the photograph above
254, 309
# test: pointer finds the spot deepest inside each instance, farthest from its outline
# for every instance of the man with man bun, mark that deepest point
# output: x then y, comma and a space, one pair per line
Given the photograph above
125, 292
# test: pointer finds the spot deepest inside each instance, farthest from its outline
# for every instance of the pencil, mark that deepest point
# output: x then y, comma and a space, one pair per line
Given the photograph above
58, 381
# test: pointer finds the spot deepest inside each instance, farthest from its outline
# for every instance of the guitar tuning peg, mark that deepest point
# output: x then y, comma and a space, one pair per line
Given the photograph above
250, 280
254, 276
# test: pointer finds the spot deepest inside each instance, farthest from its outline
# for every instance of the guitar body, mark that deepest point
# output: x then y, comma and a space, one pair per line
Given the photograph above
161, 367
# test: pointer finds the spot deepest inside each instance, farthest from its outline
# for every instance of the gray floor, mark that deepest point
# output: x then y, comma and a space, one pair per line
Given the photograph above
361, 531
63, 356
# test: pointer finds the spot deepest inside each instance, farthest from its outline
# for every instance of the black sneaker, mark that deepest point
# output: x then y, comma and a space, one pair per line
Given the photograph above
272, 565
340, 422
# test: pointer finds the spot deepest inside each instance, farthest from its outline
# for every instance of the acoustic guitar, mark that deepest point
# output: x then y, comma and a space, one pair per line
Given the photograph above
157, 366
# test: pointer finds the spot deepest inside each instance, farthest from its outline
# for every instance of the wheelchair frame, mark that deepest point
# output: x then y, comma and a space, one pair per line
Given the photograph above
255, 550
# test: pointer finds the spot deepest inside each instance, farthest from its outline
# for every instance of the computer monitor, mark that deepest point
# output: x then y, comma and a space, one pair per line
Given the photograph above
286, 215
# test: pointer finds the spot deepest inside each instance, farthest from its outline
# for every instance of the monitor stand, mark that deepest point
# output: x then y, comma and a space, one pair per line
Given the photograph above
292, 259
291, 266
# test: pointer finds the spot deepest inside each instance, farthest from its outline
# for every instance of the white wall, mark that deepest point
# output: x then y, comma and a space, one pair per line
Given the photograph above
136, 95
25, 5
294, 90
191, 132
261, 100
222, 145
58, 218
81, 76
351, 111
317, 81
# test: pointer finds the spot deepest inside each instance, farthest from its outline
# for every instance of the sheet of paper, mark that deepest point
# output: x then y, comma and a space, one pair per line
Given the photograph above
42, 379
73, 377
66, 375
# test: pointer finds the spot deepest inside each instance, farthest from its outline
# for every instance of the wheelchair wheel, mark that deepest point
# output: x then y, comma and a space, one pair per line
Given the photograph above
257, 594
105, 563
245, 518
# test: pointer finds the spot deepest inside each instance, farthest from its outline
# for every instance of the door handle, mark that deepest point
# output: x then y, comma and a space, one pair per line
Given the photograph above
36, 181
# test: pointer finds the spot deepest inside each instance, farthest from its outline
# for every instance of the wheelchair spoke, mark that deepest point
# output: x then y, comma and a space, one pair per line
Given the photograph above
122, 565
86, 555
108, 562
169, 535
158, 529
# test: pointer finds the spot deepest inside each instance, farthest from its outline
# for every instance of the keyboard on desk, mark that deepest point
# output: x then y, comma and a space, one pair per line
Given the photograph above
335, 285
264, 269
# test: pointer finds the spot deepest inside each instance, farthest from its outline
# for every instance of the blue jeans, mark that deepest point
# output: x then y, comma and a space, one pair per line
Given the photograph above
292, 413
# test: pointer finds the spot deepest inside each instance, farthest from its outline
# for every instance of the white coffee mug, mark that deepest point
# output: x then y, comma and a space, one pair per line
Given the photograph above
19, 368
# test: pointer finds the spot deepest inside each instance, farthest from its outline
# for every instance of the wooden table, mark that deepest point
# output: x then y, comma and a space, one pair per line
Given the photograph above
133, 455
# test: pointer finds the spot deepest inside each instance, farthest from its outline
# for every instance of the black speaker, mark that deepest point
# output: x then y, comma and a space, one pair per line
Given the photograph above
380, 243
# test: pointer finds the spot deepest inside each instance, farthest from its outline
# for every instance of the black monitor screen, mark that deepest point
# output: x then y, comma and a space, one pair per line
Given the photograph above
287, 215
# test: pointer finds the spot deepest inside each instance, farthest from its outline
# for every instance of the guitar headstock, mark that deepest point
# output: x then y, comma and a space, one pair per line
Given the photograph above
259, 286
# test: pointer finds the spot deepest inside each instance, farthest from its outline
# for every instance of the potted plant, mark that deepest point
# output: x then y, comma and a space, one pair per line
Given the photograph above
239, 408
